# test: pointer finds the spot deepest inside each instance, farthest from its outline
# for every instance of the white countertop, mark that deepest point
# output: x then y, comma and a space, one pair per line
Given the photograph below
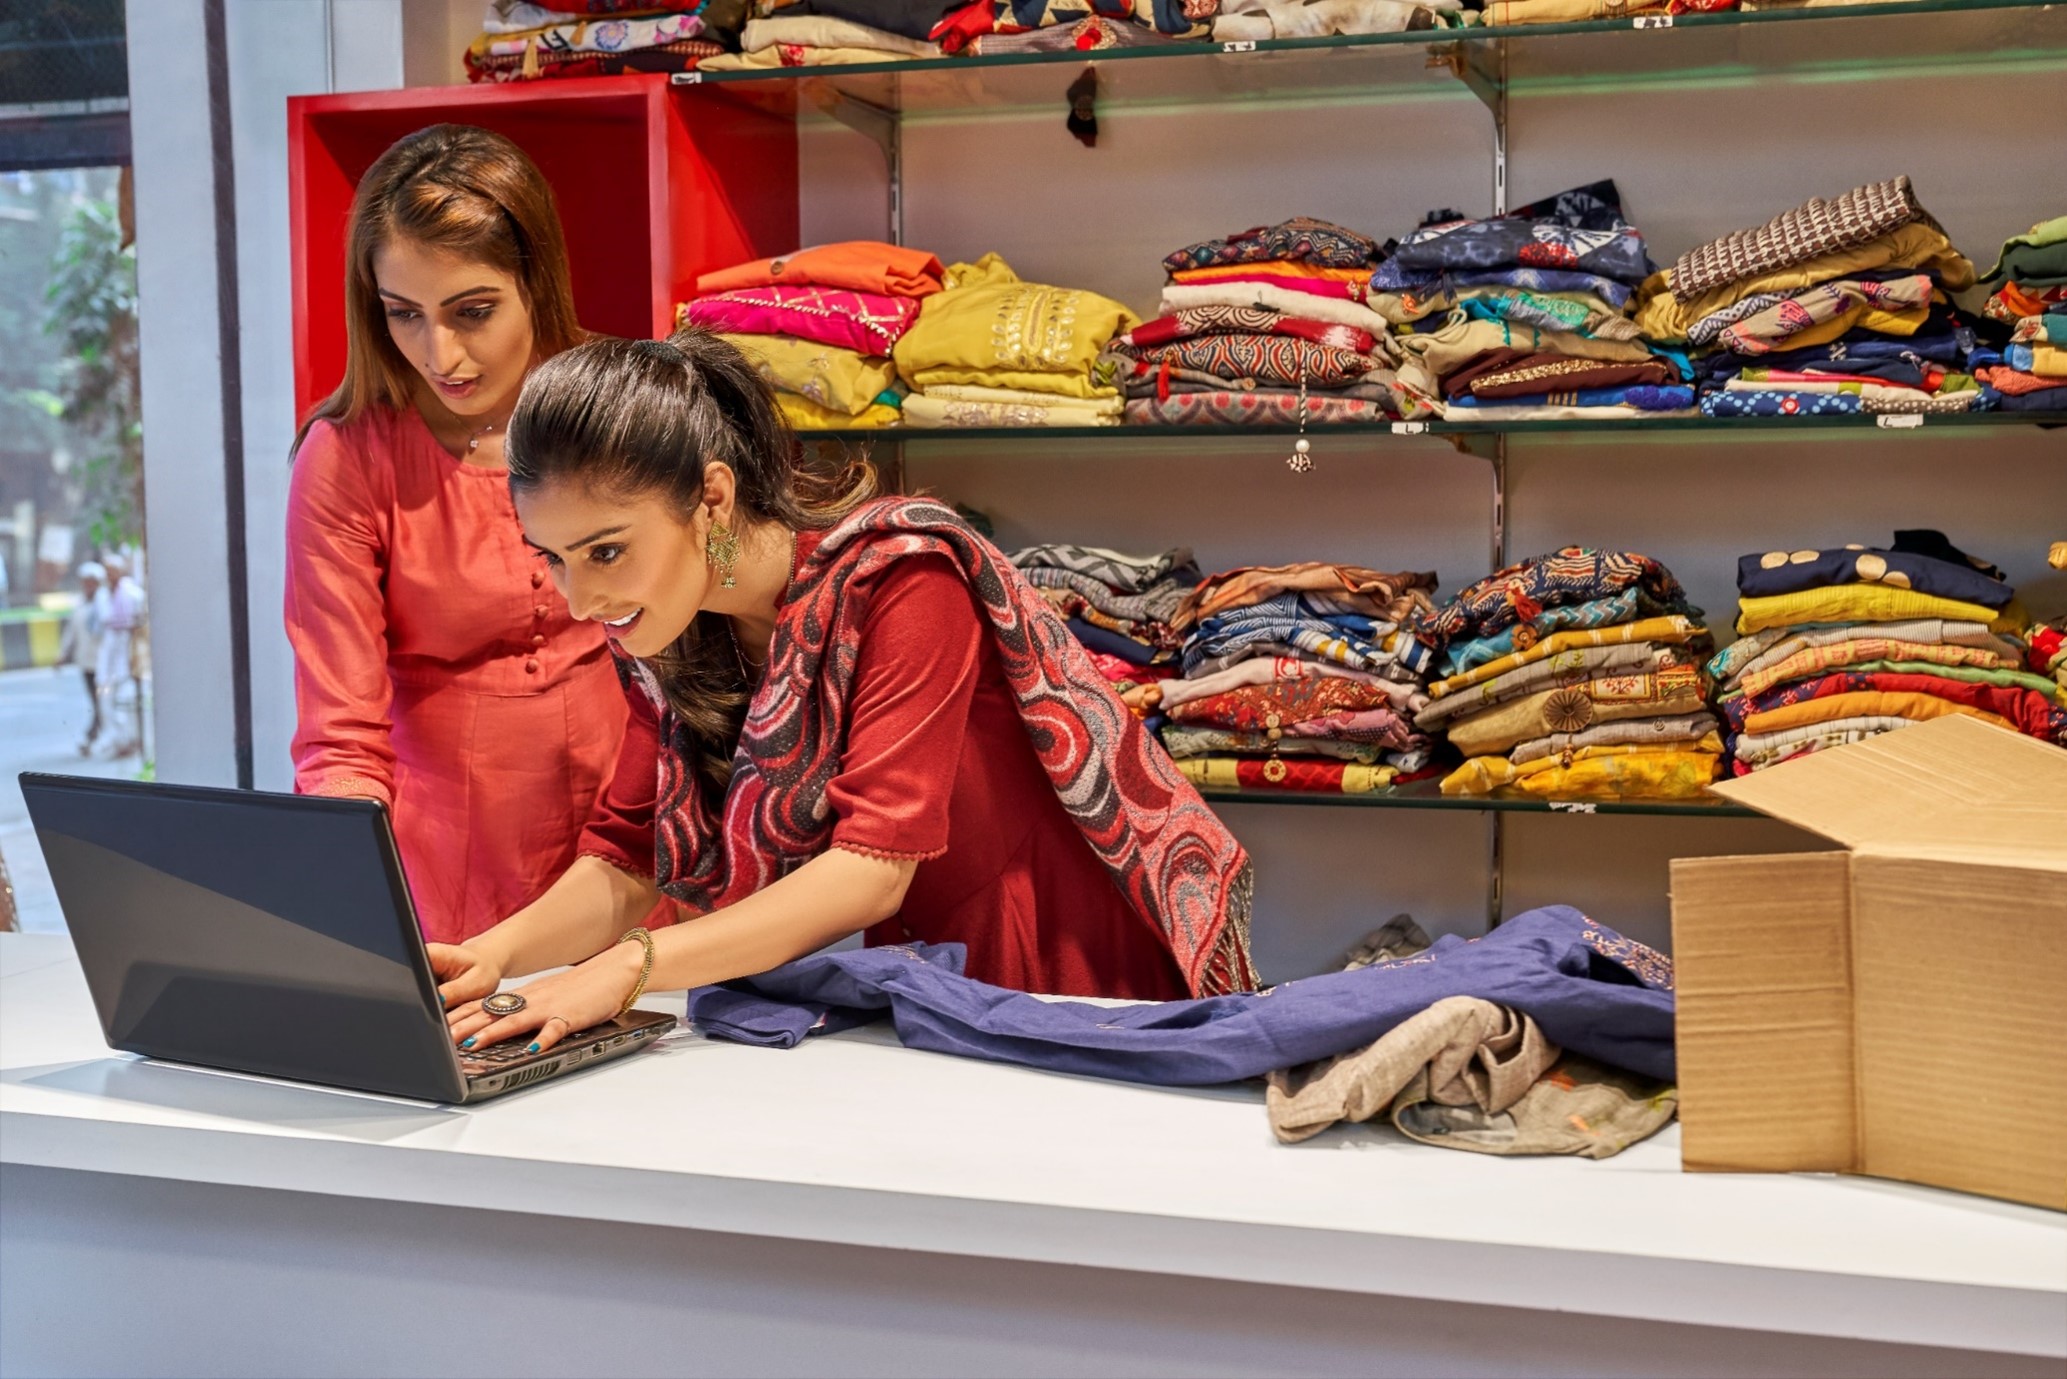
854, 1139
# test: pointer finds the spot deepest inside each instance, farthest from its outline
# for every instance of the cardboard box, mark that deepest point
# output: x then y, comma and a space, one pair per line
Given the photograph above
1899, 1008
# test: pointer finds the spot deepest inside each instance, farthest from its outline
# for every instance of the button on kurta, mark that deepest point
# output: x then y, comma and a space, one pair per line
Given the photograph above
531, 666
538, 639
538, 579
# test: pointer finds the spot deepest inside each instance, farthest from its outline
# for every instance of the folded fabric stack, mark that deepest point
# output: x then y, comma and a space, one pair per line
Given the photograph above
820, 325
1258, 21
1119, 606
2028, 292
991, 350
832, 33
1089, 34
2045, 641
992, 22
1262, 326
1525, 317
1833, 308
1298, 677
1839, 645
1582, 11
1574, 674
524, 40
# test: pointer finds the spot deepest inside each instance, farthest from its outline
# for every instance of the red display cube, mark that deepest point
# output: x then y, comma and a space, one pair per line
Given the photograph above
655, 185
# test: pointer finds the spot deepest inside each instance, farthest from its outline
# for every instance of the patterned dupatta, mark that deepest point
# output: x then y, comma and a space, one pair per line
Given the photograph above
1168, 853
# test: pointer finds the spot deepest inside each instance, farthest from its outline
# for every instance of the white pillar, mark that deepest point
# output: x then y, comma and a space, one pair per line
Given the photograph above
193, 267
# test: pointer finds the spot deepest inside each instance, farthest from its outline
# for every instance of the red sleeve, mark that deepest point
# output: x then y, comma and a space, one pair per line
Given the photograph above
337, 621
914, 677
620, 826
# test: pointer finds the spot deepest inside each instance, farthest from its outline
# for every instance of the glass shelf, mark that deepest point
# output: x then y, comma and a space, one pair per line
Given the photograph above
1852, 42
1682, 427
1427, 794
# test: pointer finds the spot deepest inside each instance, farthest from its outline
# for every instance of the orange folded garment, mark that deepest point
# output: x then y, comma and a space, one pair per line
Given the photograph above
1275, 268
860, 265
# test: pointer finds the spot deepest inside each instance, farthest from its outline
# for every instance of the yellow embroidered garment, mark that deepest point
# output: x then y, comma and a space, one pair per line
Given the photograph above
1662, 316
1677, 771
931, 410
1671, 628
803, 414
964, 392
991, 330
1571, 708
1853, 603
836, 379
1909, 704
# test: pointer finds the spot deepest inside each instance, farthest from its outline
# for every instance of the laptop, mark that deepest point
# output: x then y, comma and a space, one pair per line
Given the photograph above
270, 934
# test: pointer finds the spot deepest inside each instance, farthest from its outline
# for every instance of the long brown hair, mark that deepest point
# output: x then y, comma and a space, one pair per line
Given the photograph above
462, 189
633, 417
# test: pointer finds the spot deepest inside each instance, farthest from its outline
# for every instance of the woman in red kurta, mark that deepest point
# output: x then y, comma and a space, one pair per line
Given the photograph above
848, 715
436, 669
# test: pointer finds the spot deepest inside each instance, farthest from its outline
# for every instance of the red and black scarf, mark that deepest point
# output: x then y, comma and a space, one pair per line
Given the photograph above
1169, 854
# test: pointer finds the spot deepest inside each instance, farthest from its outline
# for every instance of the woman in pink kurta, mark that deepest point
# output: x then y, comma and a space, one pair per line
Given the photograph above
436, 666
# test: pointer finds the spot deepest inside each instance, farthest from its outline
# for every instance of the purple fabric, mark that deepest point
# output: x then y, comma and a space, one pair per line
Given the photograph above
1592, 991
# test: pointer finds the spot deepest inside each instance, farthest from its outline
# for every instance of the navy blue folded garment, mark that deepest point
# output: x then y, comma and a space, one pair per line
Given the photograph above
1647, 397
1112, 643
1921, 560
1591, 990
2044, 400
1915, 350
906, 18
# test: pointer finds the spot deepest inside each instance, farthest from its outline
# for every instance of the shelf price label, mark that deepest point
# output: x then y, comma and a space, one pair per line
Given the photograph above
1247, 45
686, 79
1898, 421
1410, 428
1573, 807
1651, 21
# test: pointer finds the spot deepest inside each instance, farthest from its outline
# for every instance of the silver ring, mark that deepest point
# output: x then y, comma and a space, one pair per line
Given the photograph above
503, 1003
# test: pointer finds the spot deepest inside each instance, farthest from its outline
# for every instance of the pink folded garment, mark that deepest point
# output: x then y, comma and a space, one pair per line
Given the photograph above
868, 322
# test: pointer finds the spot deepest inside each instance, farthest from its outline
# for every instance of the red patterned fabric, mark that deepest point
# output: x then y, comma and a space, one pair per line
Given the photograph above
1282, 703
1173, 859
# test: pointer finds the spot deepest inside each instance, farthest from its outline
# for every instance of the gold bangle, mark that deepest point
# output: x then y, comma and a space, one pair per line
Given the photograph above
645, 970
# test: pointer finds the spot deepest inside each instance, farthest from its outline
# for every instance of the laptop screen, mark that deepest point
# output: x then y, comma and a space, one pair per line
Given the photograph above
257, 932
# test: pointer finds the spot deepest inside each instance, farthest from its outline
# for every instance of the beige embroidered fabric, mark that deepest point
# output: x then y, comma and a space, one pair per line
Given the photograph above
1565, 668
1811, 230
1679, 730
1569, 708
1469, 1074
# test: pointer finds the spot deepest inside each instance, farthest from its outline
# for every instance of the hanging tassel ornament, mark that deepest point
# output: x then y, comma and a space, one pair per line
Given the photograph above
1300, 461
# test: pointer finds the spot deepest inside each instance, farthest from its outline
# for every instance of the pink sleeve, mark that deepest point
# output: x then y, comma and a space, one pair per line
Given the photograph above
337, 621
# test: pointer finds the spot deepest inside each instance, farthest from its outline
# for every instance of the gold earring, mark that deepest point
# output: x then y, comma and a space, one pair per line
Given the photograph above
721, 548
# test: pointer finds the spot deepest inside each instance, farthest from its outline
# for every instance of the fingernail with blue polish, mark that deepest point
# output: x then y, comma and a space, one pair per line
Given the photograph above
532, 1049
467, 1042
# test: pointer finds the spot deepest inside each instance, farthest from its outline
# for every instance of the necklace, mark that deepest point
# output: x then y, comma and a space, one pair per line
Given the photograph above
474, 441
747, 664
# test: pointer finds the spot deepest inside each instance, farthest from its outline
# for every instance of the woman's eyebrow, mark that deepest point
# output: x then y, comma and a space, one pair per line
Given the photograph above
484, 290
